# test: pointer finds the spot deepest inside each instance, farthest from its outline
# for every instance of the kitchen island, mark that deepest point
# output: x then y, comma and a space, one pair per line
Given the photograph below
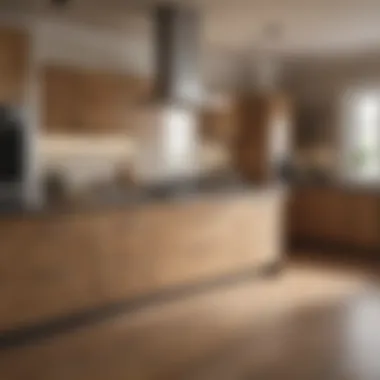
58, 262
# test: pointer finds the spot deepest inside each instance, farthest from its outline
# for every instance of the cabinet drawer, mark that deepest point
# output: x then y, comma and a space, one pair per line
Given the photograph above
124, 253
52, 273
321, 215
365, 221
200, 261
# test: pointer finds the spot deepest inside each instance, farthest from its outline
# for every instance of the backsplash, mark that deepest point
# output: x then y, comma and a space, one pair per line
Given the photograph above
83, 161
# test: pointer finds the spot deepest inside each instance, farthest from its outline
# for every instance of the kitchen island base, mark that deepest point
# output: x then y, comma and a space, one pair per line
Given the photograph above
59, 264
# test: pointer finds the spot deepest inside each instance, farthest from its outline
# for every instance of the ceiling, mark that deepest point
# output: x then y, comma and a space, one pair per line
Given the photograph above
293, 28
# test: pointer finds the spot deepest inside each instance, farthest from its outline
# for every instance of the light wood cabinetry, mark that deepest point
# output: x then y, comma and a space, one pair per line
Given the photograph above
13, 66
87, 101
365, 210
109, 101
218, 123
61, 90
125, 254
263, 134
47, 268
60, 264
335, 215
251, 144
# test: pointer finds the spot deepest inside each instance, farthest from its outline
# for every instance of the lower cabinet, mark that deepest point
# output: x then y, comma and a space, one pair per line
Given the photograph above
334, 215
47, 268
365, 221
64, 264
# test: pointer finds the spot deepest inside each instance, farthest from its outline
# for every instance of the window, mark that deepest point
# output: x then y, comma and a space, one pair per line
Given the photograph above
362, 138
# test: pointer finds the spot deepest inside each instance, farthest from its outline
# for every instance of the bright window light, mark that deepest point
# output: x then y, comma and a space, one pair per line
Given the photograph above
364, 147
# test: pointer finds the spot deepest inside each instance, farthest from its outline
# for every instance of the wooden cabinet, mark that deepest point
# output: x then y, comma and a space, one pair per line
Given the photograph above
218, 123
61, 279
327, 215
99, 96
60, 99
251, 142
307, 214
263, 134
204, 240
63, 264
125, 254
13, 66
108, 101
335, 215
365, 210
47, 268
88, 101
199, 252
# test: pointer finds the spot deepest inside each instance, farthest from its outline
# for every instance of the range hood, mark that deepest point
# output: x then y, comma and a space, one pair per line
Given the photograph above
168, 134
176, 43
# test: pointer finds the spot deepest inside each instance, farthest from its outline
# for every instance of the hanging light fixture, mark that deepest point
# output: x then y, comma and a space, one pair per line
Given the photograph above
266, 65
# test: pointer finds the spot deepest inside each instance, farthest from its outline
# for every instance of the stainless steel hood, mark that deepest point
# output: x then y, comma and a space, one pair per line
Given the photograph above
177, 39
168, 134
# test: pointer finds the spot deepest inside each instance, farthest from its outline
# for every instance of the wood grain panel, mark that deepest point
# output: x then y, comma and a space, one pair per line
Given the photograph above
14, 49
219, 124
89, 101
110, 101
365, 230
258, 117
336, 215
103, 103
61, 99
62, 264
321, 214
48, 269
125, 252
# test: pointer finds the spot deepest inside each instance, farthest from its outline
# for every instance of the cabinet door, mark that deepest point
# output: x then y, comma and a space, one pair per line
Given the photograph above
86, 101
13, 65
190, 246
218, 124
306, 219
335, 215
61, 99
321, 215
47, 269
365, 229
263, 135
125, 252
108, 100
97, 100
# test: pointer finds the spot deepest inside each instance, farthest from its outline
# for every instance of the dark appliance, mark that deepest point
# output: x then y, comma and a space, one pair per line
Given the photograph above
11, 146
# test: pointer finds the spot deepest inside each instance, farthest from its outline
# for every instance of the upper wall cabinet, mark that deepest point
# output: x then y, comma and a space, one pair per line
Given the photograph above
88, 101
218, 123
13, 65
109, 101
264, 134
60, 99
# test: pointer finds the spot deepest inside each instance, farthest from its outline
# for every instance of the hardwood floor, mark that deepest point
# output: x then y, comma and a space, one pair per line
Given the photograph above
316, 320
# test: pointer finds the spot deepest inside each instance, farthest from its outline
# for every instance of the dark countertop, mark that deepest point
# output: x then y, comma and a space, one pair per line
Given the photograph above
349, 187
113, 198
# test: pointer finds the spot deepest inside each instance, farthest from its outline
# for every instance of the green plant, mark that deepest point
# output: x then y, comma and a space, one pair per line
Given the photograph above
361, 156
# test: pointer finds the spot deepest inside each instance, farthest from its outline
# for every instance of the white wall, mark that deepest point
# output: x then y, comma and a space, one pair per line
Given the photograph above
89, 47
